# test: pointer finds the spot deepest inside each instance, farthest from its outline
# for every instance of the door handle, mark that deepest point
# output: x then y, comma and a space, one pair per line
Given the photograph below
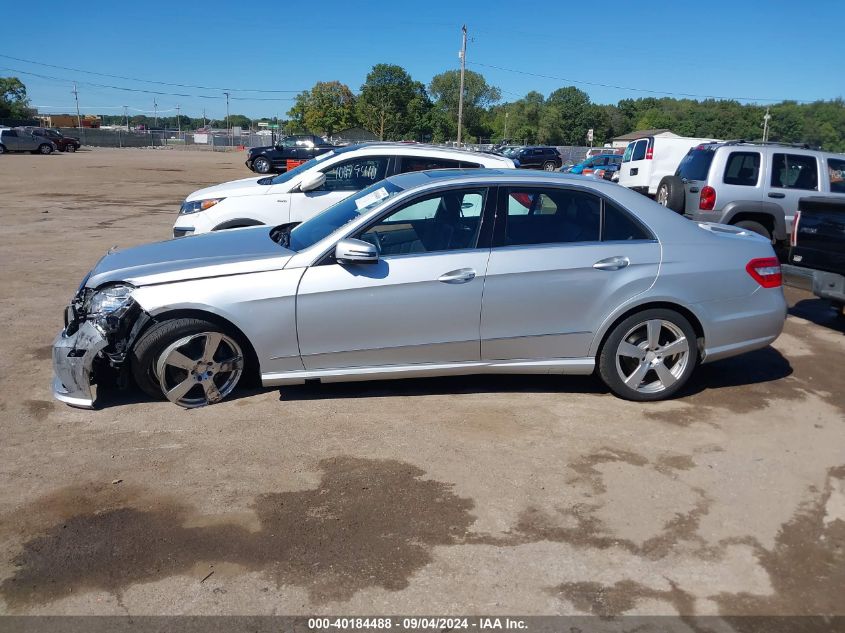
777, 195
460, 276
612, 263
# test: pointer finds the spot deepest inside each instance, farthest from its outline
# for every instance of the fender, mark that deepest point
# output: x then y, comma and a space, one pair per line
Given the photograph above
775, 211
237, 223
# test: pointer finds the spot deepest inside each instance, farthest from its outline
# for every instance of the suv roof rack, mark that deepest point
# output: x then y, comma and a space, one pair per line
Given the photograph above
742, 141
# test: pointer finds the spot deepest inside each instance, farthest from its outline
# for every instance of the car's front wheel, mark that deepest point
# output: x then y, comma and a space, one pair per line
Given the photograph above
45, 149
70, 148
261, 165
649, 356
549, 166
190, 362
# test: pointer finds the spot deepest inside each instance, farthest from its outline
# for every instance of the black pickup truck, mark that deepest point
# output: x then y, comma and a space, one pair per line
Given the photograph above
274, 158
817, 249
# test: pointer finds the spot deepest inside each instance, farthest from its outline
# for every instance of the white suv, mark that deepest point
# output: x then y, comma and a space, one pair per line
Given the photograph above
315, 185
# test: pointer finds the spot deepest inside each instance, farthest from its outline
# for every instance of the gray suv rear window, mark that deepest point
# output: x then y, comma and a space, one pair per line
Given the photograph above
794, 171
695, 165
743, 168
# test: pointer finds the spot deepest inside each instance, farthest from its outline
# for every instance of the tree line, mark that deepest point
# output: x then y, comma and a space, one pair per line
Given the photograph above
394, 106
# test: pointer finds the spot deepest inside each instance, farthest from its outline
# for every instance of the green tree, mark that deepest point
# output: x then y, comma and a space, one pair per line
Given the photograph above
478, 95
391, 104
13, 100
327, 108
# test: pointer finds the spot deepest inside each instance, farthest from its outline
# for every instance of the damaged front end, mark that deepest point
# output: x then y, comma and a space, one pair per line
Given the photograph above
100, 327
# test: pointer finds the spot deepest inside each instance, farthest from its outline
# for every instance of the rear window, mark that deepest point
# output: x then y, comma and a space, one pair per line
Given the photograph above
639, 150
695, 165
742, 168
836, 174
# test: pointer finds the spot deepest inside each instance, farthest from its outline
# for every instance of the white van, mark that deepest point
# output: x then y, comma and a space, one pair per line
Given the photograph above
647, 160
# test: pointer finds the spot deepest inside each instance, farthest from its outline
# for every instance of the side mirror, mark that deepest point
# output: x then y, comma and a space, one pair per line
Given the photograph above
312, 181
352, 251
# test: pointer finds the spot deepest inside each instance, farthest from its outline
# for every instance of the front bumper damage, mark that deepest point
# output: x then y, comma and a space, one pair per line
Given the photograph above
73, 360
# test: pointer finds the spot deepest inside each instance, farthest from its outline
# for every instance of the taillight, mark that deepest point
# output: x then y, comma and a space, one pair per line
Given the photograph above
765, 271
587, 170
649, 153
793, 239
707, 198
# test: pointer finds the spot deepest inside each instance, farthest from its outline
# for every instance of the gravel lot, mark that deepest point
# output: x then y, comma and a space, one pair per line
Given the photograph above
527, 495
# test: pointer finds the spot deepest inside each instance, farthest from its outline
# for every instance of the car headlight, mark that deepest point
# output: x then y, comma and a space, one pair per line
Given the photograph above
109, 300
195, 206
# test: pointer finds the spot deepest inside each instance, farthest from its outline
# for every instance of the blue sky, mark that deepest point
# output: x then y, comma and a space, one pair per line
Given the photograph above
728, 48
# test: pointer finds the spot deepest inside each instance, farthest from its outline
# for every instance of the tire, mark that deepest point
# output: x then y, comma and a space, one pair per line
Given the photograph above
261, 165
172, 356
549, 166
657, 376
45, 149
2, 149
671, 193
756, 227
70, 148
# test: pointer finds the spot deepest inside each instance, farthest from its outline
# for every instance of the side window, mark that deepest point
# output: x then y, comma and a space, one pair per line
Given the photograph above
289, 142
445, 221
794, 171
742, 168
419, 163
466, 165
355, 174
10, 133
639, 149
619, 226
629, 151
549, 216
836, 175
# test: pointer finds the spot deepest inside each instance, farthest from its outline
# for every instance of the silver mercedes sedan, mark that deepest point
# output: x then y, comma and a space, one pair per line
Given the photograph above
434, 273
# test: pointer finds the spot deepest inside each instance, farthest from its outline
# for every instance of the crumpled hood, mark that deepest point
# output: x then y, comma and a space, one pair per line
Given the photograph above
215, 254
242, 187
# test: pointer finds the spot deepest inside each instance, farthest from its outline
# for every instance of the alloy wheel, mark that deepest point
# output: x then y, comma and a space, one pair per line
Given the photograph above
663, 196
200, 369
262, 165
652, 356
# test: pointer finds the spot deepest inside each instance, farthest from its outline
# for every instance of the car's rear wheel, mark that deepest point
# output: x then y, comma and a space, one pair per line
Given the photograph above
261, 165
756, 227
549, 166
70, 148
190, 362
649, 356
45, 149
671, 194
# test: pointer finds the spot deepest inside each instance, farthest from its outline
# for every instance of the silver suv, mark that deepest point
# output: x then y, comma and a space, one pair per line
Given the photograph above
23, 141
755, 186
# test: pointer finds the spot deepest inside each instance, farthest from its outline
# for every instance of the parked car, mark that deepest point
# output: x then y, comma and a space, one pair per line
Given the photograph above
600, 161
598, 151
751, 185
14, 140
297, 148
817, 247
63, 143
576, 275
546, 158
647, 160
316, 185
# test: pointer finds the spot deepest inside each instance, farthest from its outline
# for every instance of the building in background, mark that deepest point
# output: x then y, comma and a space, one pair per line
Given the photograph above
69, 120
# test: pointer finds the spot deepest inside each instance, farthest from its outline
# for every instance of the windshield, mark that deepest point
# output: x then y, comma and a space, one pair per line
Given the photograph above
290, 174
312, 231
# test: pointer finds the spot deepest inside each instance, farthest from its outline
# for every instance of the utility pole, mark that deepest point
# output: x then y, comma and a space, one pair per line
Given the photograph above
505, 135
203, 117
766, 118
228, 129
155, 110
179, 120
78, 117
126, 116
463, 56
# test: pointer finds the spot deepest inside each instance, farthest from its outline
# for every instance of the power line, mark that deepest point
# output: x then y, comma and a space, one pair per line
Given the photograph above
148, 81
656, 92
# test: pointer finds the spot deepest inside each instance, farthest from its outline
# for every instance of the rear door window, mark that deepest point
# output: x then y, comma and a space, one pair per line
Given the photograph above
742, 168
836, 175
639, 149
794, 171
420, 163
629, 151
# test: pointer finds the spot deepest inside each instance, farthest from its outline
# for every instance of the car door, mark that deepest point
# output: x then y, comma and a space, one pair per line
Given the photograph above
419, 304
11, 140
562, 259
342, 180
792, 176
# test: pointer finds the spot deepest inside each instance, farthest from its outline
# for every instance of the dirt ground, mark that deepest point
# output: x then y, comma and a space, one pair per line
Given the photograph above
529, 495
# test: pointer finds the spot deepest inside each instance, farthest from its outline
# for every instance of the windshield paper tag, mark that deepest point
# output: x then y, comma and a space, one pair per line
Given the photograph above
371, 198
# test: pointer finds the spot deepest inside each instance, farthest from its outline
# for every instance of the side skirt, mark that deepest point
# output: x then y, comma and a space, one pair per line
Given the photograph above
385, 372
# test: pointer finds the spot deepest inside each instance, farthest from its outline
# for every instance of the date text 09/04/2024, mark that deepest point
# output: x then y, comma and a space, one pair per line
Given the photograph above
416, 623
